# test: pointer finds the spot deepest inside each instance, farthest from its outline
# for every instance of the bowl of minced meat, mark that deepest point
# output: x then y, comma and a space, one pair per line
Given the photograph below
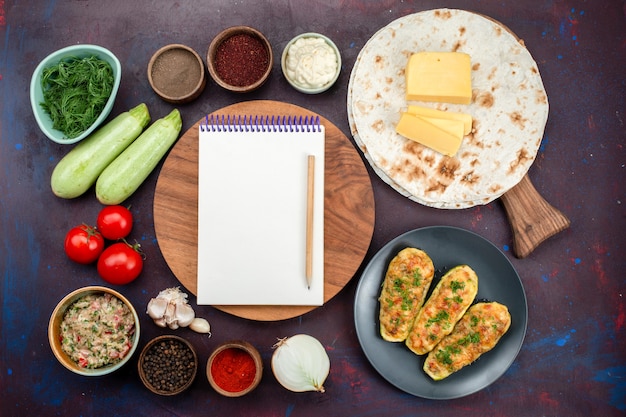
93, 331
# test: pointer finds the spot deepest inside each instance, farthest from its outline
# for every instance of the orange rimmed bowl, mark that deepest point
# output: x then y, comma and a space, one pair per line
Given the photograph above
56, 339
234, 368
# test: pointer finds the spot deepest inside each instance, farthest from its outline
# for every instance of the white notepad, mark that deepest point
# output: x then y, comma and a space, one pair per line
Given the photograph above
252, 210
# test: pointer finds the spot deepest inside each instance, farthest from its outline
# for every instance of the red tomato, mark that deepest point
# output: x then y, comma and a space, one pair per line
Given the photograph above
120, 263
114, 222
83, 244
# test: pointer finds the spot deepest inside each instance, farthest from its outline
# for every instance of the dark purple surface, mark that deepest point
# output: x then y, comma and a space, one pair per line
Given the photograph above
573, 360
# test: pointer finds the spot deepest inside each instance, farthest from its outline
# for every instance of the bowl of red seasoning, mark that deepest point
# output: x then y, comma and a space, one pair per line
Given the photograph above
240, 59
234, 368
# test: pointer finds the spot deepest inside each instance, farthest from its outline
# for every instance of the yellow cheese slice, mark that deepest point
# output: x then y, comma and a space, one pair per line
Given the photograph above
454, 127
429, 134
439, 76
427, 112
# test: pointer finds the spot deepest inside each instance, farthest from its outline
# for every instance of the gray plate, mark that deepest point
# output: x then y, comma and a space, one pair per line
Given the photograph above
497, 281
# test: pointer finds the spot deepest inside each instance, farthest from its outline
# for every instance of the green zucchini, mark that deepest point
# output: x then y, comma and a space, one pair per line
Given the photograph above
131, 168
77, 171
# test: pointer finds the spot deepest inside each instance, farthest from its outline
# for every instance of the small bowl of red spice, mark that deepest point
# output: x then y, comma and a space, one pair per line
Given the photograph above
234, 368
240, 59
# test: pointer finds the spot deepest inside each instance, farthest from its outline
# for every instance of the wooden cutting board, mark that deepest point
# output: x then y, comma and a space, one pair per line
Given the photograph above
348, 209
533, 220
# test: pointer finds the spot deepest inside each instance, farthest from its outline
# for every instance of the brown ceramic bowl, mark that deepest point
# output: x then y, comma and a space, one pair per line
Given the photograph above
157, 355
54, 331
226, 65
176, 73
241, 350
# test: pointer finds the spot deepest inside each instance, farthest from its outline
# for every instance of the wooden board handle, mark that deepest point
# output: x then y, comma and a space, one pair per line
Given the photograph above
532, 218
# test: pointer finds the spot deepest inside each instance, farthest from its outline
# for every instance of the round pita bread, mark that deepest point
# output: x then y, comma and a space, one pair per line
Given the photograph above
509, 109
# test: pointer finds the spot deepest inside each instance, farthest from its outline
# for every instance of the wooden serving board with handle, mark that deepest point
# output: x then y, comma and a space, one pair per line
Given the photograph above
348, 209
532, 218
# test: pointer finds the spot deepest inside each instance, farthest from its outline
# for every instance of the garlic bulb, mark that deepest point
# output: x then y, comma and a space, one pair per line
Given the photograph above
170, 308
300, 363
156, 309
184, 314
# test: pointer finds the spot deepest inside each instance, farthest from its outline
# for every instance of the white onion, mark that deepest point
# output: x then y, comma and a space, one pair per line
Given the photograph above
300, 363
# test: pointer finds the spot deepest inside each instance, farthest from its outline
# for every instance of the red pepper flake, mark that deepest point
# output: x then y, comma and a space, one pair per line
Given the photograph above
241, 60
233, 369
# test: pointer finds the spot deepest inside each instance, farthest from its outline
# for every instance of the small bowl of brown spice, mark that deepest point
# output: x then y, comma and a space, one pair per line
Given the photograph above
240, 59
168, 365
176, 73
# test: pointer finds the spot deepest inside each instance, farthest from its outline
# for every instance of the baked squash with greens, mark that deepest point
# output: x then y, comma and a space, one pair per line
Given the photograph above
403, 292
477, 332
449, 300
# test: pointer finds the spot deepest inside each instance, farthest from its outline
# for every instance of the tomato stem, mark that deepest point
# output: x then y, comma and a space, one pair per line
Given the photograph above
136, 247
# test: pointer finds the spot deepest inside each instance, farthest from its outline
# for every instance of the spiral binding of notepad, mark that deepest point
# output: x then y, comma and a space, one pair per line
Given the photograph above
238, 123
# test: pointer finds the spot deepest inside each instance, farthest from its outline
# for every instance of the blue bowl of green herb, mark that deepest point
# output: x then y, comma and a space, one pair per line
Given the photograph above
72, 91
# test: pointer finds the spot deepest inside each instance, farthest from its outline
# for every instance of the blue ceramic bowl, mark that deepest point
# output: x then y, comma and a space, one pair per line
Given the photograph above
36, 92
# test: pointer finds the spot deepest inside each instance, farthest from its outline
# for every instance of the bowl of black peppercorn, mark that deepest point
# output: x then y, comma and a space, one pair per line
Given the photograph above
168, 365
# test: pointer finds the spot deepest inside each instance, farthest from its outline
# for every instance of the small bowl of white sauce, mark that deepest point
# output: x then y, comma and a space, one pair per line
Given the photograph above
311, 63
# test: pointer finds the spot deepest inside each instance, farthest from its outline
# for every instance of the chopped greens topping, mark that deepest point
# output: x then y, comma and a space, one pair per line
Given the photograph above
75, 92
407, 302
473, 338
441, 316
417, 278
456, 285
444, 355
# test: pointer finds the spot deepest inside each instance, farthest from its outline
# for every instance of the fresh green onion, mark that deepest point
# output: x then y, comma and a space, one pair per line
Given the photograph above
75, 92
